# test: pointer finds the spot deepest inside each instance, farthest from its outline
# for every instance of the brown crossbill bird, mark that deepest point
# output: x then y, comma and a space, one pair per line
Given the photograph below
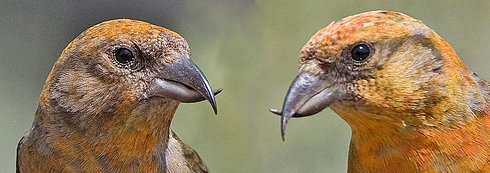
412, 105
109, 100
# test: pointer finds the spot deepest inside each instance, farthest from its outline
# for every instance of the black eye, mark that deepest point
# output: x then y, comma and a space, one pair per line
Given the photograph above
360, 51
124, 55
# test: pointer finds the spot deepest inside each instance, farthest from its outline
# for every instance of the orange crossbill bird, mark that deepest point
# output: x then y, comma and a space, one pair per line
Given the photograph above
109, 100
411, 103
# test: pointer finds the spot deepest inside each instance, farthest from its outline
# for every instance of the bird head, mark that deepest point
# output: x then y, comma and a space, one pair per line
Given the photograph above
374, 66
121, 66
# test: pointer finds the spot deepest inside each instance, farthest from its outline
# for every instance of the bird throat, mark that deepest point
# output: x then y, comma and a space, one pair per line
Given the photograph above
386, 144
123, 142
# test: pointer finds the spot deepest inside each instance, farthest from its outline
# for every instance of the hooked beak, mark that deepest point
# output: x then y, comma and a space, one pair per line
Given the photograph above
308, 95
183, 81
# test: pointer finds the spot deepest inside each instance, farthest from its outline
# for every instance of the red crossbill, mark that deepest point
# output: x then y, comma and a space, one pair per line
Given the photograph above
109, 100
412, 105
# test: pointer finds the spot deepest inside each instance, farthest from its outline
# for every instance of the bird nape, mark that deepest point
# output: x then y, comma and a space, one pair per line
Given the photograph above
108, 102
411, 103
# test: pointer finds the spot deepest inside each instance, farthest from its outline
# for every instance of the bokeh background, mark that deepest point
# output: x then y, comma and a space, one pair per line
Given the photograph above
247, 47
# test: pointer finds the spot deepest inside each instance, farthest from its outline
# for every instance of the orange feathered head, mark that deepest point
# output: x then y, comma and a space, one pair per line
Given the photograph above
377, 65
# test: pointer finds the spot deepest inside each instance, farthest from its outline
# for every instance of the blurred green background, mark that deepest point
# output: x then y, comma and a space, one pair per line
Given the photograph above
247, 47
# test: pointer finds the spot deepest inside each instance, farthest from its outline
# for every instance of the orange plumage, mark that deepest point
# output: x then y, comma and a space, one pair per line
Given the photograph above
411, 103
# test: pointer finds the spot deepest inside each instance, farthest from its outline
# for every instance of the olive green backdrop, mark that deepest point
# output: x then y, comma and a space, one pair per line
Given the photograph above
247, 47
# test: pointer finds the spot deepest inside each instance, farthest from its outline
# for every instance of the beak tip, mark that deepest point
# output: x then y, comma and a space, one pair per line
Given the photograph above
284, 122
215, 110
275, 111
217, 91
212, 101
283, 135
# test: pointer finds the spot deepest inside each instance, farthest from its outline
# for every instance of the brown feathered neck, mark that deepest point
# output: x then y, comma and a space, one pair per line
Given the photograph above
110, 140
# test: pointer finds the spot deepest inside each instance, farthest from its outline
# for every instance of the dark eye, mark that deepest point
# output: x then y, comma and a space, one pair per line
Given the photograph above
124, 55
360, 51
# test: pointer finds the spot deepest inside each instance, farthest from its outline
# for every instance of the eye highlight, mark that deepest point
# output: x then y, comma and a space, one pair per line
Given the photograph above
361, 51
123, 56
